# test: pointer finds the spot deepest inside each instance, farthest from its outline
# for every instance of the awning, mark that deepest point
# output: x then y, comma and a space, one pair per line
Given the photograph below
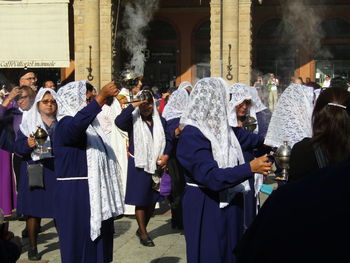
34, 33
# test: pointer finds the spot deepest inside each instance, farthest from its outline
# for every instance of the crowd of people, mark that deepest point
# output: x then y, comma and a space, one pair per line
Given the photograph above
105, 154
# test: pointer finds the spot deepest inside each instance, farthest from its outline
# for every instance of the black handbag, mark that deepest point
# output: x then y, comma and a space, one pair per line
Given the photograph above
35, 175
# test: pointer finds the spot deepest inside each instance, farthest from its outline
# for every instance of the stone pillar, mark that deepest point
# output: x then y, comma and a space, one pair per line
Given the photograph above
105, 42
92, 38
87, 32
245, 41
215, 38
229, 36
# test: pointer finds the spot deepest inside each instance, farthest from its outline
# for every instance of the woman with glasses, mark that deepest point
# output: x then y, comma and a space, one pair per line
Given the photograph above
37, 201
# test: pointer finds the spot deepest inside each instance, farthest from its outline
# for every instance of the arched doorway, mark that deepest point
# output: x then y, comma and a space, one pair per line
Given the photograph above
274, 51
201, 54
161, 55
334, 57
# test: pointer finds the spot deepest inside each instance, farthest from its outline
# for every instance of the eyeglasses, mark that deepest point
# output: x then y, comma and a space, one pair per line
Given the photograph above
31, 78
21, 97
45, 102
88, 100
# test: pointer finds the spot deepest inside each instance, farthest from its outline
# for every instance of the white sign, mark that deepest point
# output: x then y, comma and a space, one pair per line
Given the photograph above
34, 33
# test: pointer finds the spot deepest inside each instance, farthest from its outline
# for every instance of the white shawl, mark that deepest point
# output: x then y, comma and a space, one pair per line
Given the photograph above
105, 190
148, 148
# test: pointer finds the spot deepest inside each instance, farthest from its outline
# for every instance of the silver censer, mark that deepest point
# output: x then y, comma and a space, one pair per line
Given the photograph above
282, 156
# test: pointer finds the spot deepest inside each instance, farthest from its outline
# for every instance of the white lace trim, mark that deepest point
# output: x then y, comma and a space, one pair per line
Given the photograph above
177, 103
291, 119
105, 190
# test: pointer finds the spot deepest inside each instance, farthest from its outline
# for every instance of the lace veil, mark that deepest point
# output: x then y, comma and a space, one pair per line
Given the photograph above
291, 119
207, 111
105, 189
177, 103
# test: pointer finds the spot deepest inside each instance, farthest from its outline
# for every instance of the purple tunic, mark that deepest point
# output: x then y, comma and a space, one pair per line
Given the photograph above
72, 204
35, 202
211, 232
139, 190
10, 117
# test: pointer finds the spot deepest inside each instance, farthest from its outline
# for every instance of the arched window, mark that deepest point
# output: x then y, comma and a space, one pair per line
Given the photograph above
335, 28
275, 29
160, 30
201, 37
161, 55
274, 51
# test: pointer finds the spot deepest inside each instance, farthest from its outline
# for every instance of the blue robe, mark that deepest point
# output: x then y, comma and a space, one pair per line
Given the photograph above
249, 142
211, 232
72, 196
139, 183
35, 202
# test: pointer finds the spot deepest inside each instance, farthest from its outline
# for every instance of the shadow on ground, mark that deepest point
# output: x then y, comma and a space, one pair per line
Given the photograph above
166, 260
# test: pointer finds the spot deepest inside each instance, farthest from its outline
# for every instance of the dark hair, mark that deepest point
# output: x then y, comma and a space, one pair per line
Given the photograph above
30, 91
331, 124
89, 87
338, 82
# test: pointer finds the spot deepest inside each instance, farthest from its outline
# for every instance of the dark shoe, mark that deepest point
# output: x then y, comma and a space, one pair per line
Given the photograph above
147, 242
33, 254
138, 234
25, 233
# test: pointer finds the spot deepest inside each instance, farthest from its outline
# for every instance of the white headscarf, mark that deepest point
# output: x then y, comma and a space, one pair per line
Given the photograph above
105, 190
31, 120
177, 102
291, 119
207, 111
238, 93
148, 148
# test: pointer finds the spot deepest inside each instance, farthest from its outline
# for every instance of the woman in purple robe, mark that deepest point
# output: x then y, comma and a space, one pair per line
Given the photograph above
37, 202
149, 150
89, 193
216, 175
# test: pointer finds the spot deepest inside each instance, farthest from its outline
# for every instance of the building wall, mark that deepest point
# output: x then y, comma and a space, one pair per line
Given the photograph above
92, 27
236, 31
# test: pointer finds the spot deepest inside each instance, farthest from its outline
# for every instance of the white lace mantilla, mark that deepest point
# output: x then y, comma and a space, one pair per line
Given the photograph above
105, 188
291, 119
177, 103
207, 111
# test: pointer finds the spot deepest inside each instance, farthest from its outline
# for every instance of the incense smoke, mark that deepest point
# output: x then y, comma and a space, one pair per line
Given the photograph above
136, 17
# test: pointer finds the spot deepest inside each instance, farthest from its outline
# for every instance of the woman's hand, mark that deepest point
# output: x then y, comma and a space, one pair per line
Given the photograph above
109, 90
31, 141
12, 95
178, 130
261, 165
162, 161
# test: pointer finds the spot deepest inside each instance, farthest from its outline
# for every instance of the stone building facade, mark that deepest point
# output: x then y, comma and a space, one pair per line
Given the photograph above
212, 37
